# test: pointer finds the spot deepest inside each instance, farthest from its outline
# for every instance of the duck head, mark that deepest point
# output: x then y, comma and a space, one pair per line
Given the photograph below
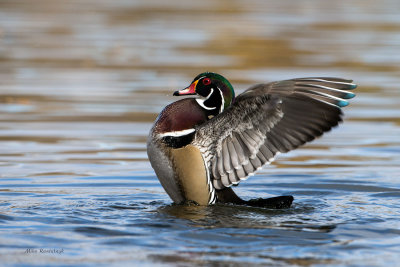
215, 93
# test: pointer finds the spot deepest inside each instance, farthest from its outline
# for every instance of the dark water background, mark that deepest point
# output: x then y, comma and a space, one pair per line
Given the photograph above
82, 81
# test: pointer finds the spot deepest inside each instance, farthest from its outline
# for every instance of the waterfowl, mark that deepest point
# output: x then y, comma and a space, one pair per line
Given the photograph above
199, 147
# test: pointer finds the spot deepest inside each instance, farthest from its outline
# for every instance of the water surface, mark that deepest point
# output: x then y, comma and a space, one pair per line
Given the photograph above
82, 81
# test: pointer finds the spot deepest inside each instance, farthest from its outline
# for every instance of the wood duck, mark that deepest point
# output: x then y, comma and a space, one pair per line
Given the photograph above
199, 147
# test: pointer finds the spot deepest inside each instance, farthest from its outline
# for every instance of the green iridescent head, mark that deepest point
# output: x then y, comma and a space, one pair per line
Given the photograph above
214, 90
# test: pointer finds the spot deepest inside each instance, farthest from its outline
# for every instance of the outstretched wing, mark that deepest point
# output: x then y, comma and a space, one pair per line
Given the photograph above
268, 119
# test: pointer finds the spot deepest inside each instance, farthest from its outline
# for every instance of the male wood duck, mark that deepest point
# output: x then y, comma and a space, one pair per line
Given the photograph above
200, 147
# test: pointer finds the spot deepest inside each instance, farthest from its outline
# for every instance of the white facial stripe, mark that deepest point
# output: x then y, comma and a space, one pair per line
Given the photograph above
200, 101
223, 101
212, 91
177, 133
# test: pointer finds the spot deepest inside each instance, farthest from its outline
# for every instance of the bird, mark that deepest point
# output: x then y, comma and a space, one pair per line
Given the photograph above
199, 147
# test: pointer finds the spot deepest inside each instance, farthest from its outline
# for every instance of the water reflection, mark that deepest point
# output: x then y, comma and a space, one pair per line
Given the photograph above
234, 216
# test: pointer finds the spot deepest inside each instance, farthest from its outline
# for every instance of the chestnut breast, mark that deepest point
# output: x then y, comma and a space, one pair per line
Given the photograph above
180, 115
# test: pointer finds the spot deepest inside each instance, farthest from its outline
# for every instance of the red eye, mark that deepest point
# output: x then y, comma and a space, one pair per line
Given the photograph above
206, 81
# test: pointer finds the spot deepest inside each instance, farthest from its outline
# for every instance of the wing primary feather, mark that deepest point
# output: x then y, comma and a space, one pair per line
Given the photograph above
225, 180
278, 142
227, 158
217, 183
248, 168
258, 139
220, 165
261, 157
251, 147
233, 178
330, 100
286, 137
249, 142
327, 90
244, 148
256, 163
232, 153
297, 134
315, 125
337, 82
240, 173
266, 152
253, 135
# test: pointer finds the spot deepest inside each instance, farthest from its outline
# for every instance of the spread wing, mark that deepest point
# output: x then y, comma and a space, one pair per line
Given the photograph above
268, 119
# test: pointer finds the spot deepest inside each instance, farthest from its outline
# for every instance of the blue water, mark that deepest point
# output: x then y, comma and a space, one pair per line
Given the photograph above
82, 81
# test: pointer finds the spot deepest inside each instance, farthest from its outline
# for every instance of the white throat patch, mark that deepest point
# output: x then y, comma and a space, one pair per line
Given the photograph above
201, 101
